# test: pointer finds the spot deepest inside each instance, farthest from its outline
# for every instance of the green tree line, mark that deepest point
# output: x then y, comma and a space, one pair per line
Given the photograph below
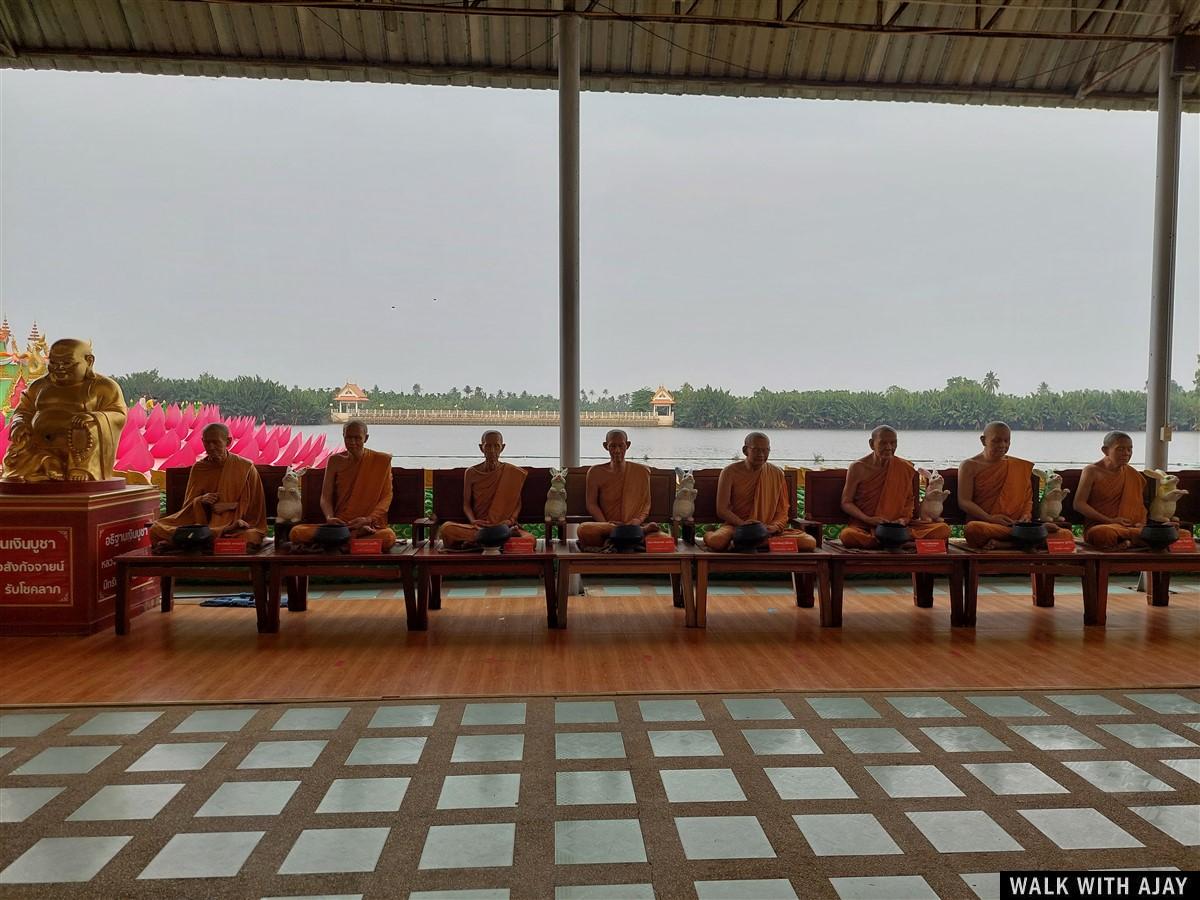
963, 404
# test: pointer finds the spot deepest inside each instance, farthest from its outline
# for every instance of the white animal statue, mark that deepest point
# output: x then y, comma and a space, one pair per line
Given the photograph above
556, 497
1166, 494
685, 496
1050, 508
290, 508
935, 496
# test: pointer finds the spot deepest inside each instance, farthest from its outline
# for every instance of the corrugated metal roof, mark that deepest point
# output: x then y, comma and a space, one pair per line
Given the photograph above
1078, 53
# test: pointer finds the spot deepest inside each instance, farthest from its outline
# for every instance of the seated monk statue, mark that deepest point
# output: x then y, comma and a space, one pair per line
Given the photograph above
223, 492
754, 490
995, 490
1109, 497
67, 423
618, 493
491, 495
879, 489
357, 490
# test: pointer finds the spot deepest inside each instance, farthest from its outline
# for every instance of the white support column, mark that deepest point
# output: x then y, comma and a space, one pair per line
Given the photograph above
568, 235
1162, 285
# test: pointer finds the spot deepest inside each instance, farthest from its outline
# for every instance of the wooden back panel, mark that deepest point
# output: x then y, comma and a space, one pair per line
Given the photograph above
408, 495
823, 495
1188, 508
706, 494
177, 479
448, 495
662, 493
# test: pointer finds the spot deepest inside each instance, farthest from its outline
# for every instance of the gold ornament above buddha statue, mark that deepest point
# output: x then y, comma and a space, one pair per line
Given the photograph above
68, 422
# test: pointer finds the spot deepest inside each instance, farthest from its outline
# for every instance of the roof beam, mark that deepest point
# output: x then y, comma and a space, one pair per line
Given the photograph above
607, 14
68, 58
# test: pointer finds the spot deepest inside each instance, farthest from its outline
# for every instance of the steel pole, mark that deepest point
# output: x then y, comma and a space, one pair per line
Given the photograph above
568, 238
1162, 285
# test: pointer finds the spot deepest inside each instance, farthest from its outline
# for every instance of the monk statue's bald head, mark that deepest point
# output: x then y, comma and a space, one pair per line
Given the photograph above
757, 447
616, 442
996, 438
70, 361
883, 442
1113, 436
355, 425
215, 438
491, 445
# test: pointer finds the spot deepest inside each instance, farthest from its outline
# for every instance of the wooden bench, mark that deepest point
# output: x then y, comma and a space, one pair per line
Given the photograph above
1041, 567
823, 506
434, 563
244, 568
804, 576
575, 561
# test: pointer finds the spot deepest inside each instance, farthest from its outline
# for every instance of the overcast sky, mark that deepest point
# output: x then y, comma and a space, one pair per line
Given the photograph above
301, 231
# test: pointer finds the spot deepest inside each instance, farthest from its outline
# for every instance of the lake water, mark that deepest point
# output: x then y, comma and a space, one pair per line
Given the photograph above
447, 446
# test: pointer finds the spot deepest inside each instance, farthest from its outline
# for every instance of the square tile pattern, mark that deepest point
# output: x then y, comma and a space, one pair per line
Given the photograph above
893, 795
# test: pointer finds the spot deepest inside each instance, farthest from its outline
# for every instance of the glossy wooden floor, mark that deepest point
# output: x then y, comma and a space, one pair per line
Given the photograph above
500, 646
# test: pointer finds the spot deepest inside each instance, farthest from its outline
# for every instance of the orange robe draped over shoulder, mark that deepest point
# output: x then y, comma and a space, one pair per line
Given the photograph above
888, 493
362, 489
622, 496
1118, 495
757, 497
233, 481
496, 499
1002, 489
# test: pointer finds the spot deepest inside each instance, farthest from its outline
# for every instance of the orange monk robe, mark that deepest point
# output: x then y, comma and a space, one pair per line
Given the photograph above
888, 493
1001, 489
496, 500
623, 496
1117, 495
758, 497
233, 481
362, 489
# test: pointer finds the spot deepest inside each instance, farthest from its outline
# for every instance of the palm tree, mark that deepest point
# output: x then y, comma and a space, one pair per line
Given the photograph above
991, 383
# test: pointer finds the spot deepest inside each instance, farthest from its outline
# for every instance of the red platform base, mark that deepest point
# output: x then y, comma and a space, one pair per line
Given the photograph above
57, 552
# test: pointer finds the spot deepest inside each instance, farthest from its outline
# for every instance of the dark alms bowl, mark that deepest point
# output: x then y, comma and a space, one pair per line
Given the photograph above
191, 537
331, 535
625, 538
892, 535
750, 536
1028, 535
491, 536
1160, 535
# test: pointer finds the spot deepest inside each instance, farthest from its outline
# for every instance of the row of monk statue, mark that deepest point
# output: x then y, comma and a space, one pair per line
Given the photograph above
68, 422
994, 492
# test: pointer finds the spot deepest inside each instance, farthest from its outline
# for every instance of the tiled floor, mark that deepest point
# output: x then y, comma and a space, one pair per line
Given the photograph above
711, 796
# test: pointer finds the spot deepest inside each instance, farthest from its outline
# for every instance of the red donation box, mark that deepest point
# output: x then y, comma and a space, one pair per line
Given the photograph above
58, 549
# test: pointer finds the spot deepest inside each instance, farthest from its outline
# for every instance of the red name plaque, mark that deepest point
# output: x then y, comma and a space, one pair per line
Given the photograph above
113, 539
660, 543
783, 545
520, 545
1185, 544
365, 546
930, 546
1065, 544
35, 566
230, 546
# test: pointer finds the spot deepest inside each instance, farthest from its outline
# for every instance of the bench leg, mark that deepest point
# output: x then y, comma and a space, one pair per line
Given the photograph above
435, 590
122, 600
831, 612
1095, 595
297, 591
1043, 589
563, 593
957, 592
414, 613
167, 589
676, 592
266, 602
803, 584
922, 589
1160, 589
964, 615
550, 586
694, 614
